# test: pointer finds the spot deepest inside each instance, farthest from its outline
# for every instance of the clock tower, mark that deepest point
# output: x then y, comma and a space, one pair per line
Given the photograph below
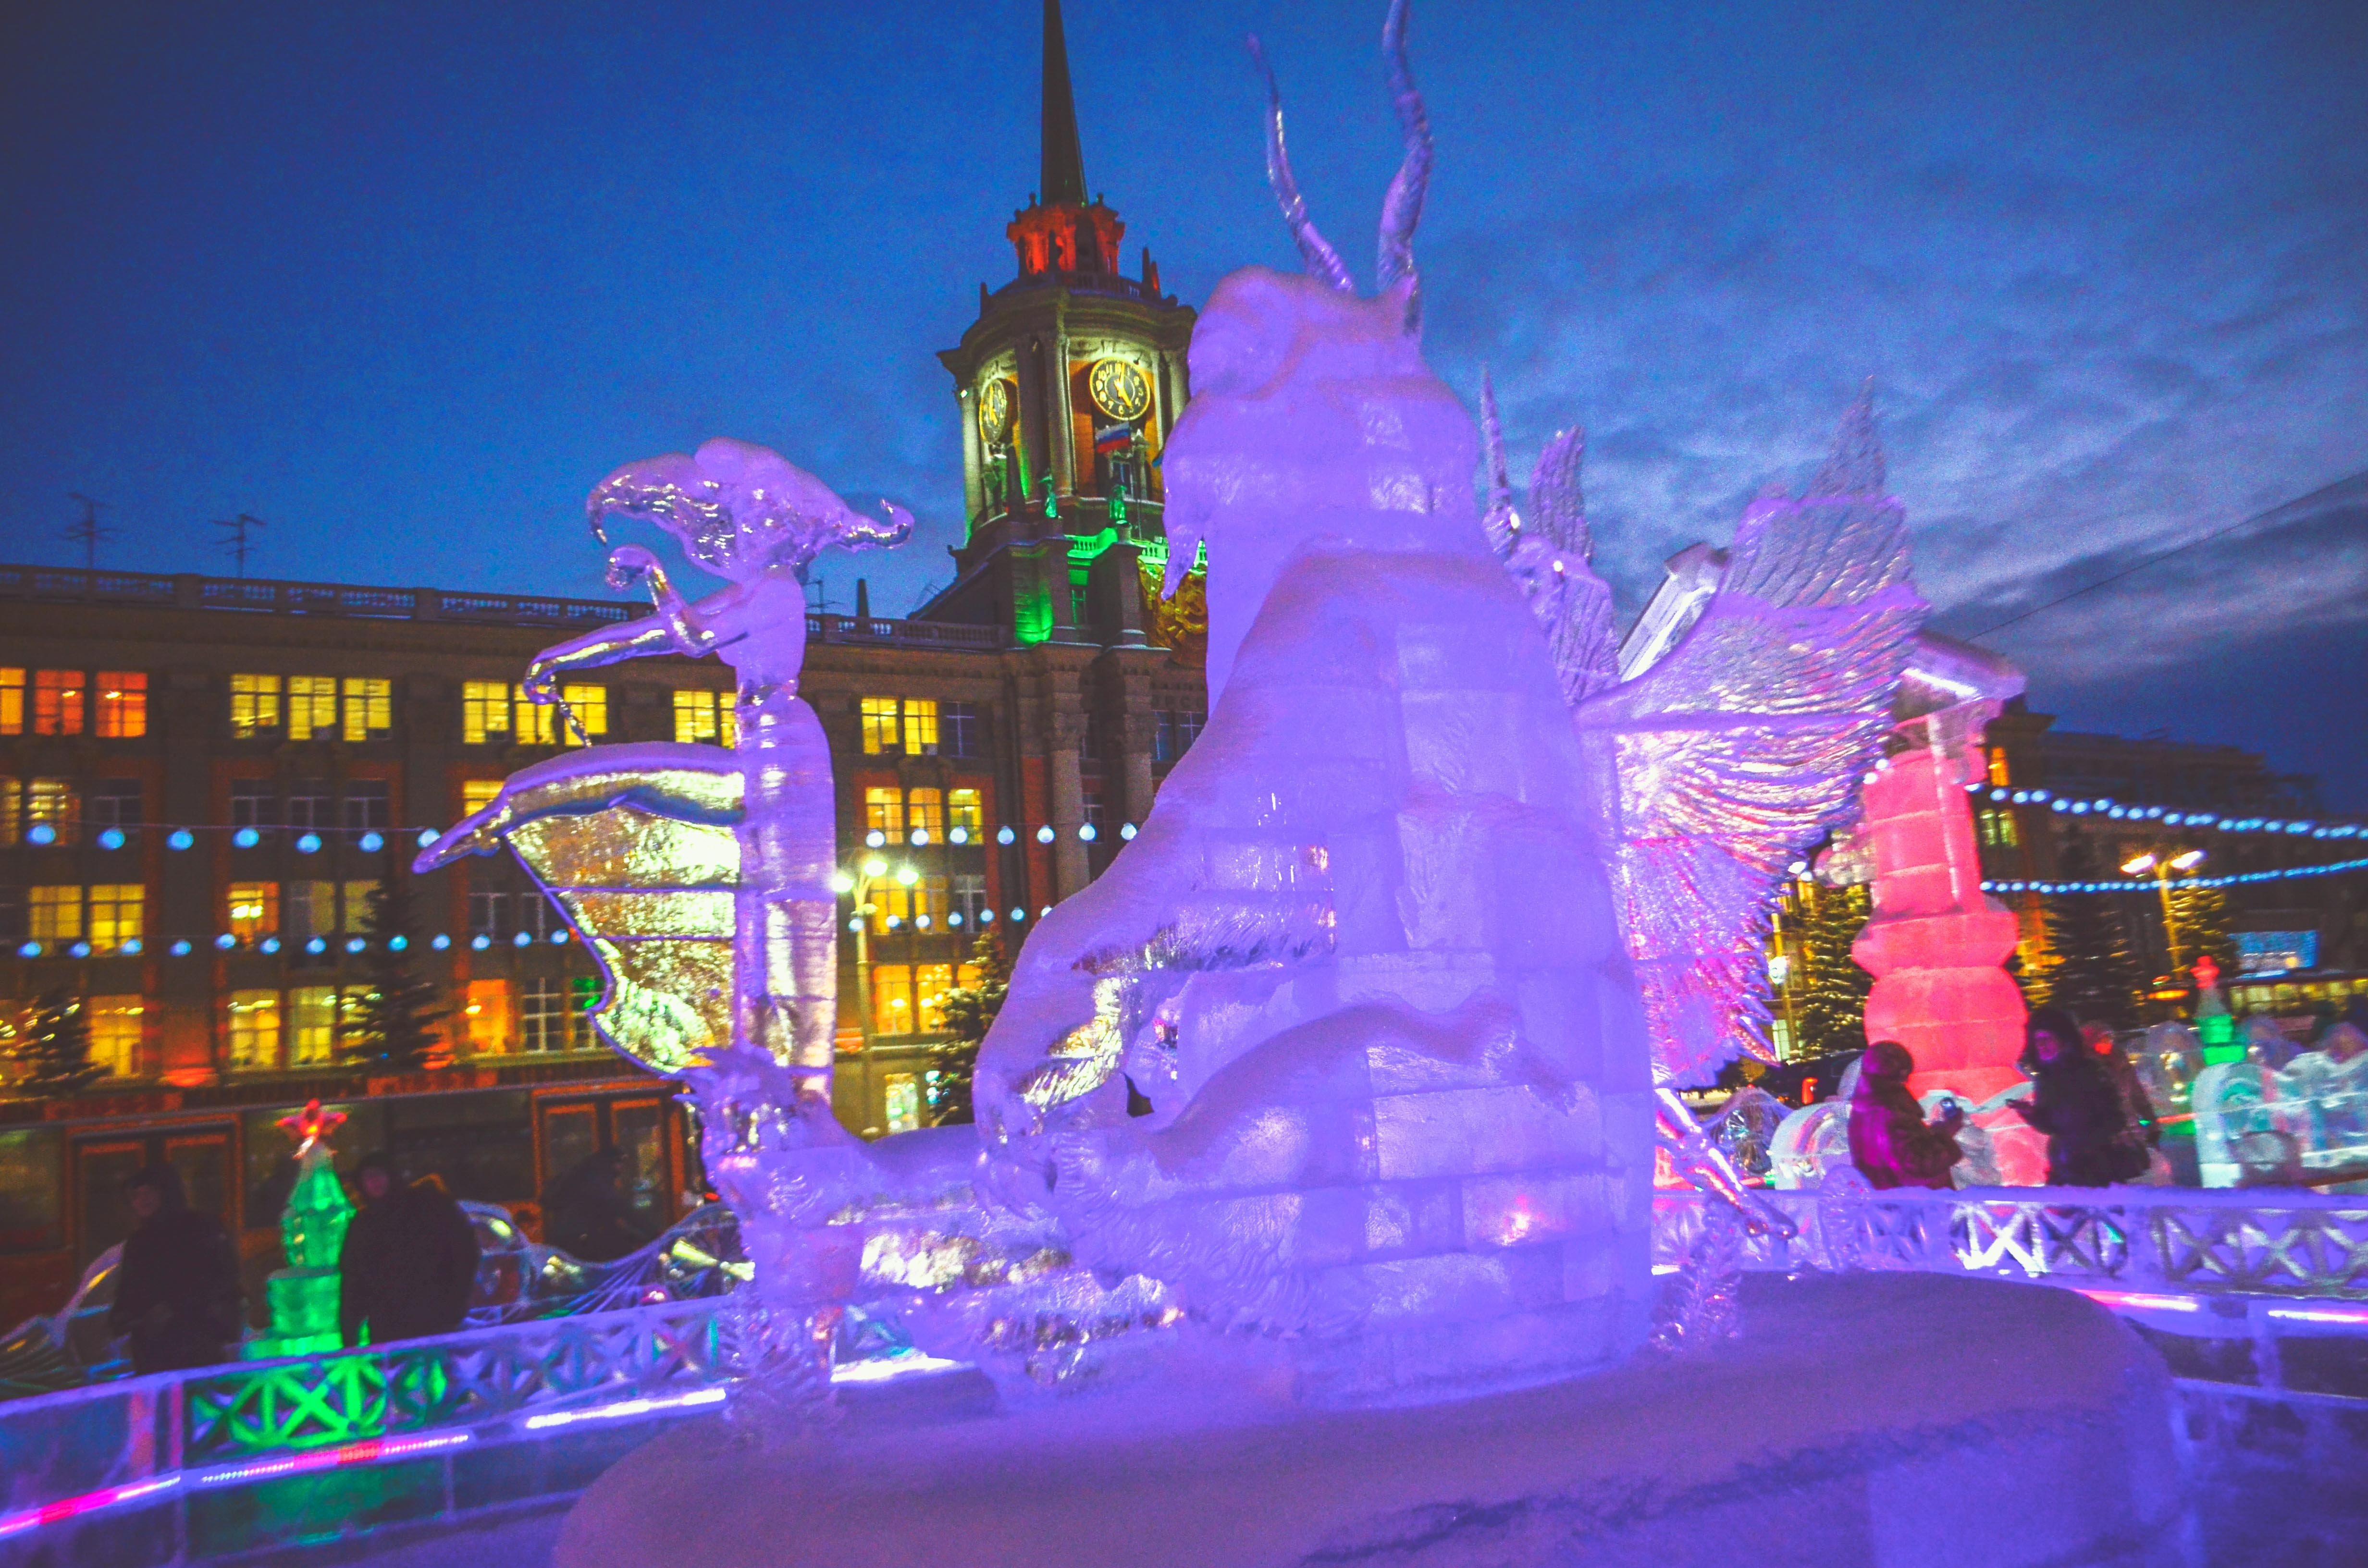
1068, 384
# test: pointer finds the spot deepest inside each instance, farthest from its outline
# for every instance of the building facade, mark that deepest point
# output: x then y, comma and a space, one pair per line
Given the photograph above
203, 780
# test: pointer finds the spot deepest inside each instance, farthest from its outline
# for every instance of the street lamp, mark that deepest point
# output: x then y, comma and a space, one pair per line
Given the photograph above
2163, 866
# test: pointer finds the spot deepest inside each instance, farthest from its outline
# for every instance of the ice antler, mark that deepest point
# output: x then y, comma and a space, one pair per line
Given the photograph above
1402, 209
1322, 261
1748, 742
1502, 523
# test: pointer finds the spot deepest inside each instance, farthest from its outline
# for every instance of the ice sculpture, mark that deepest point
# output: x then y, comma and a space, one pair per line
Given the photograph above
1371, 966
1745, 744
2259, 1125
700, 879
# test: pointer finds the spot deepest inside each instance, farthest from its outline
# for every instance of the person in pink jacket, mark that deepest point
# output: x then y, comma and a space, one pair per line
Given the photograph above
1890, 1141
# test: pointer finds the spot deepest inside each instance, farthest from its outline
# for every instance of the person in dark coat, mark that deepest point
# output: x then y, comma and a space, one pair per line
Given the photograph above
1890, 1141
2092, 1138
587, 1213
177, 1290
410, 1260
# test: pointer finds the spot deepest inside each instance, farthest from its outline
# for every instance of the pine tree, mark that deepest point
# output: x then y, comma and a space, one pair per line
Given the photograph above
53, 1052
2096, 978
1831, 1002
395, 1030
970, 1012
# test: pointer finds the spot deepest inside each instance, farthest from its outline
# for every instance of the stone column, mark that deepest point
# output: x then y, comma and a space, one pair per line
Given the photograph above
1070, 871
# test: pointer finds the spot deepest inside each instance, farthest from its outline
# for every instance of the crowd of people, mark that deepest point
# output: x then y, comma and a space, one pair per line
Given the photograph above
2086, 1097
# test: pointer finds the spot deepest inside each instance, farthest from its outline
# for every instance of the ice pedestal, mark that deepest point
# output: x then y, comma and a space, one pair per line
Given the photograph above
1903, 1420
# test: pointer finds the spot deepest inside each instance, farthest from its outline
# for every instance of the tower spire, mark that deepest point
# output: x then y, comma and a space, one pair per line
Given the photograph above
1064, 162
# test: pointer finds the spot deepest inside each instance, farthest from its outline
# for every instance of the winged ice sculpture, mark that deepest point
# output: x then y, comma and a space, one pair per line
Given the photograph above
1743, 746
699, 877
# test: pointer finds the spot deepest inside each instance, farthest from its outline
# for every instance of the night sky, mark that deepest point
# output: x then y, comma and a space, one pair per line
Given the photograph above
405, 280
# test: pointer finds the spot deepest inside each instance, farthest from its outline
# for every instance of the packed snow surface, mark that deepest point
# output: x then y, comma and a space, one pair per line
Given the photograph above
1907, 1421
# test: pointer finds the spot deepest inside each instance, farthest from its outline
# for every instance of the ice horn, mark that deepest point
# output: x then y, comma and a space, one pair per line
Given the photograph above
1402, 209
1315, 250
1500, 522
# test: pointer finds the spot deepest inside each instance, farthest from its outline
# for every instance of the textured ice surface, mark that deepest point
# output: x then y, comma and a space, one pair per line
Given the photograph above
1901, 1421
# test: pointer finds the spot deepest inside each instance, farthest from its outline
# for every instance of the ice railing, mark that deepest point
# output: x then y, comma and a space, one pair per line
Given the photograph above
2179, 1240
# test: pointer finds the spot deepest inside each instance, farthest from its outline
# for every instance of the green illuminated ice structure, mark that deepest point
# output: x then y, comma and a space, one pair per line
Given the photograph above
303, 1296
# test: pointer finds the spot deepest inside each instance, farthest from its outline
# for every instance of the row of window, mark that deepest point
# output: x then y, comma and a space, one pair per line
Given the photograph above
492, 711
272, 1030
918, 726
925, 904
352, 708
894, 812
105, 915
51, 811
910, 998
68, 702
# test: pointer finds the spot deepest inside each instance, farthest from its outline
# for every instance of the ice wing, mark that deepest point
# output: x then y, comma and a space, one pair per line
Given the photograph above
1737, 751
638, 847
1548, 555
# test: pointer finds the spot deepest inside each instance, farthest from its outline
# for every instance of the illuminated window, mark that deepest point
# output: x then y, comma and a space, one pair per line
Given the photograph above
589, 704
476, 794
115, 1033
883, 812
54, 914
52, 802
930, 983
116, 911
312, 1025
537, 722
925, 809
900, 1094
695, 717
57, 702
1998, 828
891, 998
486, 1013
122, 705
310, 909
254, 911
960, 730
12, 800
485, 711
357, 902
369, 707
254, 705
890, 901
1998, 766
920, 727
962, 811
542, 1016
353, 1006
311, 706
12, 702
254, 1031
882, 731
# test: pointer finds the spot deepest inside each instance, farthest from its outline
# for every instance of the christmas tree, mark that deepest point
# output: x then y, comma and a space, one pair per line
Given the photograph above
395, 1027
2093, 975
52, 1055
1830, 1002
970, 1012
2200, 917
305, 1295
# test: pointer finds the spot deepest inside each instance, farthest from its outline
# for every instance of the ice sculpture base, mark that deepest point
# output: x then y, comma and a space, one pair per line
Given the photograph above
1907, 1421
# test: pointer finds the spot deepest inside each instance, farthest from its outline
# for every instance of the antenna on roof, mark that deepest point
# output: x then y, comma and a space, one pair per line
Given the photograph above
88, 531
234, 542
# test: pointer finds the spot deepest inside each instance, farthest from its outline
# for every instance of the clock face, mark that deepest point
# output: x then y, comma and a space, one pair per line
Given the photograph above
1120, 389
994, 409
